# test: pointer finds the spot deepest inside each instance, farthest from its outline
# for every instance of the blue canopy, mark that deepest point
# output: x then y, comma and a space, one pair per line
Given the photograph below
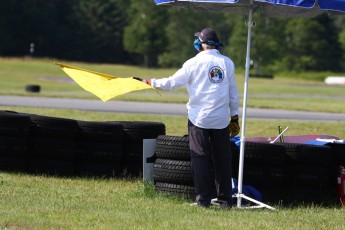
276, 8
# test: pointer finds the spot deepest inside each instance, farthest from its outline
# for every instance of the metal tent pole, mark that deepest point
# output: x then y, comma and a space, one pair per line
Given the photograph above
240, 195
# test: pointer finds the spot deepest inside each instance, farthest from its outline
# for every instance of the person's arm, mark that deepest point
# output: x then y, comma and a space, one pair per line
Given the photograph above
179, 79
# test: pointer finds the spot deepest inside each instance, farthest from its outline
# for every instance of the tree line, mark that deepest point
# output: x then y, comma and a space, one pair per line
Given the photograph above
141, 33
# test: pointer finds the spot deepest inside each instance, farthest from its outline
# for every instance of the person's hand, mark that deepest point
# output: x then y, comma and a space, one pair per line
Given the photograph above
234, 126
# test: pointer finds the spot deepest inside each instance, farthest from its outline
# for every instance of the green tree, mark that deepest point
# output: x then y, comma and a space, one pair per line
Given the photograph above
340, 24
179, 34
31, 21
85, 30
312, 44
342, 43
238, 42
145, 33
182, 25
98, 30
267, 48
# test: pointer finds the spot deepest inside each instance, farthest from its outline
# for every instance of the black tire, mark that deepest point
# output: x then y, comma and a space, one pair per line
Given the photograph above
172, 147
133, 151
13, 146
139, 130
338, 151
61, 128
173, 171
33, 88
14, 124
265, 152
264, 176
133, 134
99, 152
100, 131
309, 154
179, 190
133, 158
51, 148
307, 176
13, 164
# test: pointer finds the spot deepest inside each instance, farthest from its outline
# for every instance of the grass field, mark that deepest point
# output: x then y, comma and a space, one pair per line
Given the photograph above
44, 202
40, 202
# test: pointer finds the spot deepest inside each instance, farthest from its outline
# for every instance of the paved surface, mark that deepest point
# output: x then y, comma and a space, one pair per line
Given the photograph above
156, 108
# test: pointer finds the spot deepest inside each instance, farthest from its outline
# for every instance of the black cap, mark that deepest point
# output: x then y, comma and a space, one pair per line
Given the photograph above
206, 35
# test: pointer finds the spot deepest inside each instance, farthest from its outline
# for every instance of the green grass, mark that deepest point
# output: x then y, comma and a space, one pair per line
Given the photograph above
41, 202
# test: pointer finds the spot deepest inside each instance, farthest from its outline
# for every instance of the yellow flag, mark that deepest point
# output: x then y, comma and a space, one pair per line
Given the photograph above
102, 85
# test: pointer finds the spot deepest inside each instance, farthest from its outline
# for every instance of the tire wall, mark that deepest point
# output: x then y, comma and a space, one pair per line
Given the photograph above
282, 171
40, 144
14, 140
172, 170
292, 172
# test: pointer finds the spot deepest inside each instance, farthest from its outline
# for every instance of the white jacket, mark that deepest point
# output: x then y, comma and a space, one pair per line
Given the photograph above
210, 81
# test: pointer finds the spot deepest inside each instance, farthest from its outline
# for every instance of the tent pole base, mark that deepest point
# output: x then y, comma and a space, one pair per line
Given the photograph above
258, 203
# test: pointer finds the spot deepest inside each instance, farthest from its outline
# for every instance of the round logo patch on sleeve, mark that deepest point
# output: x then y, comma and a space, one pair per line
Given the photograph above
216, 74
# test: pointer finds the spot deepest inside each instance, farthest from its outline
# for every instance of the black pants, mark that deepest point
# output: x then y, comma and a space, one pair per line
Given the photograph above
214, 144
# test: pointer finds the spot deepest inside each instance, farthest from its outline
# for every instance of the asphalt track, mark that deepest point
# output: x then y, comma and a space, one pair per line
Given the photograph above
156, 108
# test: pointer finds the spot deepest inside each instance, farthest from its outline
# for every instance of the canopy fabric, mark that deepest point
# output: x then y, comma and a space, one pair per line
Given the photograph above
103, 85
271, 8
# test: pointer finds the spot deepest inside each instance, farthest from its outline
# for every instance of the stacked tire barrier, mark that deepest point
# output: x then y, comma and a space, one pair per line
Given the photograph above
41, 144
99, 149
293, 173
59, 146
52, 145
134, 133
312, 173
264, 165
173, 171
14, 143
283, 172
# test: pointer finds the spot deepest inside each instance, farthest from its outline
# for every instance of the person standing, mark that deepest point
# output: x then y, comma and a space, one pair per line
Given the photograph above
213, 101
